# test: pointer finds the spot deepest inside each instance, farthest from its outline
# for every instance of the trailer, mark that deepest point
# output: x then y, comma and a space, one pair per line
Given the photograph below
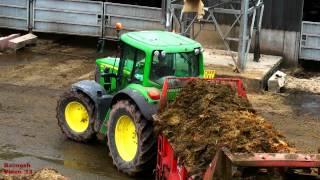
227, 165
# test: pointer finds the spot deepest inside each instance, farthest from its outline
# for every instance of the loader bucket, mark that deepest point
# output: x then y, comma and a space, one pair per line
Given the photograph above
172, 86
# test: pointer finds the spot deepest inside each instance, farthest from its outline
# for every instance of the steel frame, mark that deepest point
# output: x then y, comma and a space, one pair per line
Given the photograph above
247, 15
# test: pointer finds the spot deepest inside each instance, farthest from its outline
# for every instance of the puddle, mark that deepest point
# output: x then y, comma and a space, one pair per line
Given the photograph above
306, 104
79, 161
20, 57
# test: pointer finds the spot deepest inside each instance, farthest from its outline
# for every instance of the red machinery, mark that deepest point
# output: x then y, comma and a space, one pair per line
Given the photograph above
226, 165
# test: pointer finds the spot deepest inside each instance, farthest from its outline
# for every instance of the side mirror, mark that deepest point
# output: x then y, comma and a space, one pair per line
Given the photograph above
107, 74
106, 70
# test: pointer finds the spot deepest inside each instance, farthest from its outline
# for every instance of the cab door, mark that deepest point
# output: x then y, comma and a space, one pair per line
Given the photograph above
131, 66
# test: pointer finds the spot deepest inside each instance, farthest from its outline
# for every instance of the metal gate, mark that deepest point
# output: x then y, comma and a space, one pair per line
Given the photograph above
14, 14
132, 17
75, 17
310, 41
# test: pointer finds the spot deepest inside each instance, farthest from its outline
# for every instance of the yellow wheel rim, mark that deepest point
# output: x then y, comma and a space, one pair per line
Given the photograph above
77, 117
126, 138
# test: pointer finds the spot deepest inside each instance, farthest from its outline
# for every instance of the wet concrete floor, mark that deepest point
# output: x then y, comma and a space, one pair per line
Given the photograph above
29, 133
31, 82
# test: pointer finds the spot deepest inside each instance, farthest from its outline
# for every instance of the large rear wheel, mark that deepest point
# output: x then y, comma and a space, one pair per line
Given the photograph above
75, 114
131, 140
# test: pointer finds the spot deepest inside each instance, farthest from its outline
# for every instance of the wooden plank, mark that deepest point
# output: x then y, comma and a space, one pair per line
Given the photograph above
4, 41
22, 41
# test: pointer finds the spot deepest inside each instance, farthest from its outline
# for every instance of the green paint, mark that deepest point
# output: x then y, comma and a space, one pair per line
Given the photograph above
104, 128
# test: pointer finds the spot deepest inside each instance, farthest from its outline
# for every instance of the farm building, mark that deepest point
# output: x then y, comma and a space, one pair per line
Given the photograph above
289, 27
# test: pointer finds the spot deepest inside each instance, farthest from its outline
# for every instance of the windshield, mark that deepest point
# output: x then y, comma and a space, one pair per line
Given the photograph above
184, 64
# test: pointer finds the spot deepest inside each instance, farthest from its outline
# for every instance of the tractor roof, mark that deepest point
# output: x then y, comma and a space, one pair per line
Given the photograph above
159, 40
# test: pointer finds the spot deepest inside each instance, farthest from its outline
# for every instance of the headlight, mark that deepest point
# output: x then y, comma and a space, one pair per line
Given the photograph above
197, 51
163, 53
156, 53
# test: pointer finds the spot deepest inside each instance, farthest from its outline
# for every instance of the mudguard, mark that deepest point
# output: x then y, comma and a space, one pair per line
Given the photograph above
98, 95
145, 108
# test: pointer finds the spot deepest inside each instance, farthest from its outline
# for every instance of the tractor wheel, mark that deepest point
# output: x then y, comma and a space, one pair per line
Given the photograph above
75, 114
131, 140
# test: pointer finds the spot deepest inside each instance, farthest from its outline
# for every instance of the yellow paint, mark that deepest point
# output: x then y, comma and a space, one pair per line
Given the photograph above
126, 138
77, 117
209, 74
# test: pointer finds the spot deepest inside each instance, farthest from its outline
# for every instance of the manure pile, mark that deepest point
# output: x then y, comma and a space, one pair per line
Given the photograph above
205, 117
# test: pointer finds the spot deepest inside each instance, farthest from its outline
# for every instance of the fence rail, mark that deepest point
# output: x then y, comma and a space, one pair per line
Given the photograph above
77, 17
14, 14
310, 41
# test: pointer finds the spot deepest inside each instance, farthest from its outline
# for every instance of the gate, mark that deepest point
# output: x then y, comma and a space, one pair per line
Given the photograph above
78, 17
132, 17
310, 41
14, 14
75, 17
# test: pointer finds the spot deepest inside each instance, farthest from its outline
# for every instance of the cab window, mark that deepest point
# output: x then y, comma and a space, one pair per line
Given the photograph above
133, 64
128, 54
184, 64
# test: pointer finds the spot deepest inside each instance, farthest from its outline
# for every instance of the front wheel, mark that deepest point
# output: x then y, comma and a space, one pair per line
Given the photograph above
75, 114
131, 140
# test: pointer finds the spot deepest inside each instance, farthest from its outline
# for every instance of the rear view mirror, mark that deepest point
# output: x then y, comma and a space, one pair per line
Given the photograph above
106, 70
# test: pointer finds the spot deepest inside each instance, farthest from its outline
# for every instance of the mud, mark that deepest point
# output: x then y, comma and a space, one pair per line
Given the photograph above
294, 114
305, 78
53, 63
31, 81
206, 117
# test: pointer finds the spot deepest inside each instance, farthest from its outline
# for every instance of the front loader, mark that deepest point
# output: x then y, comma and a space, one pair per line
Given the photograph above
118, 106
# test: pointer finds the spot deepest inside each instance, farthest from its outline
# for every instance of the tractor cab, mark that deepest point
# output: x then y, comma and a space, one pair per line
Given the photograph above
147, 58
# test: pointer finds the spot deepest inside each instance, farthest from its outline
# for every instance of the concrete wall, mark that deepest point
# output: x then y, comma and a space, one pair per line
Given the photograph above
279, 42
272, 42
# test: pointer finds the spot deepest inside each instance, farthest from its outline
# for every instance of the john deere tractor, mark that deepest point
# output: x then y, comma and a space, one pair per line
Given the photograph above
118, 106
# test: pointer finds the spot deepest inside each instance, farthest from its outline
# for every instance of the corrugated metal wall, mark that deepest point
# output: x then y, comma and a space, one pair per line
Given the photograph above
283, 14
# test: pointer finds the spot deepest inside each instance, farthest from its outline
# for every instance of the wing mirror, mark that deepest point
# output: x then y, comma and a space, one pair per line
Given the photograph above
107, 74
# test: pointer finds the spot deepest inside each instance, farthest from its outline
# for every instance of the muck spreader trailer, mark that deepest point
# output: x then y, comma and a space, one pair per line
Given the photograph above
119, 107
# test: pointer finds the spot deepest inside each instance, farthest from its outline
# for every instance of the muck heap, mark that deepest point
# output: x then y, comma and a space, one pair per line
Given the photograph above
206, 116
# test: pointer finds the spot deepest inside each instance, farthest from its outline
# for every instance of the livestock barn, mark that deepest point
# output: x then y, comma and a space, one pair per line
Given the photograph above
292, 22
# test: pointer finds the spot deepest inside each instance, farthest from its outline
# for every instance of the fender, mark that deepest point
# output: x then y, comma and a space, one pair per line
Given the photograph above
145, 108
98, 95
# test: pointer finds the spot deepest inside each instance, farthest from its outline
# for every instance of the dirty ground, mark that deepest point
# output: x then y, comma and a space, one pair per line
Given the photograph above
304, 79
29, 130
31, 82
206, 116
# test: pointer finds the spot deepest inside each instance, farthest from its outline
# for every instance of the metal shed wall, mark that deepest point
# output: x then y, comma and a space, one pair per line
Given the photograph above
283, 15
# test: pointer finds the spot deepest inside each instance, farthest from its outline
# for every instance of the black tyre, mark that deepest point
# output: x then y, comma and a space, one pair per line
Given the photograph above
131, 140
75, 114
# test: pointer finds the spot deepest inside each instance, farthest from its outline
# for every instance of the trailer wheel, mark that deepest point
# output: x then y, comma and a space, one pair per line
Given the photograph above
131, 140
75, 115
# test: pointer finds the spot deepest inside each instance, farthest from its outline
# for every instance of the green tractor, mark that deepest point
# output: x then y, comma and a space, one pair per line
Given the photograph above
119, 104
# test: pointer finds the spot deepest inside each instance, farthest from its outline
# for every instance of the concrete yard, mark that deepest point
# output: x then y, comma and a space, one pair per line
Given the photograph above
33, 79
255, 75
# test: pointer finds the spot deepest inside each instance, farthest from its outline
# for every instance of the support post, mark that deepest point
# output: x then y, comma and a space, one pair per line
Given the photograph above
257, 53
168, 23
243, 38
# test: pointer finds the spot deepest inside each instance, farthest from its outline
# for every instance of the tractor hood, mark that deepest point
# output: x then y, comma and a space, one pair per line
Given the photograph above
110, 62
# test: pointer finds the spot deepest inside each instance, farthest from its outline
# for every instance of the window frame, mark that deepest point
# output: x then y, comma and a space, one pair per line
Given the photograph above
123, 62
173, 63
